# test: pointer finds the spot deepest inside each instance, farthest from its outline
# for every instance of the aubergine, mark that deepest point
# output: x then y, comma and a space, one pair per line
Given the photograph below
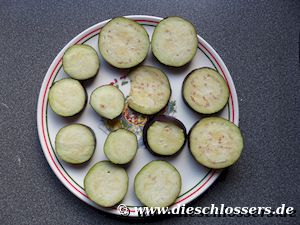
67, 97
120, 146
106, 184
123, 43
150, 90
174, 41
108, 101
75, 143
157, 184
81, 62
215, 142
205, 91
164, 135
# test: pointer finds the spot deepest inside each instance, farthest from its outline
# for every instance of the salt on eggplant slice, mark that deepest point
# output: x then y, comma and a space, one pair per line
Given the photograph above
81, 62
75, 143
150, 90
123, 43
106, 184
67, 97
215, 142
205, 91
108, 101
120, 146
157, 184
164, 135
174, 41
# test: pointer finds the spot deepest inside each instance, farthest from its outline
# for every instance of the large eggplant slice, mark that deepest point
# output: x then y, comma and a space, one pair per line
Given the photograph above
215, 142
174, 41
150, 90
106, 184
205, 91
123, 43
157, 184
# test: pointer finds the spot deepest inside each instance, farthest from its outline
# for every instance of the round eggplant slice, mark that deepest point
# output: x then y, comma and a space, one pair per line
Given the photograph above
106, 184
157, 184
150, 90
120, 146
67, 97
164, 135
215, 142
108, 101
123, 43
75, 143
205, 91
174, 41
81, 62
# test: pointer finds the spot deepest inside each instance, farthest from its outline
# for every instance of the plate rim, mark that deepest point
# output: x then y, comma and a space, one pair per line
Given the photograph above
201, 187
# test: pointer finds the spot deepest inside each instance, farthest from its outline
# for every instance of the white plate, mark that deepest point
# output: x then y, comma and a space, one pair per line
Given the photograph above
195, 178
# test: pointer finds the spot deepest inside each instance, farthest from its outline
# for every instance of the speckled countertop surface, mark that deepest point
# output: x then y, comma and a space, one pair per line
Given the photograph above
259, 43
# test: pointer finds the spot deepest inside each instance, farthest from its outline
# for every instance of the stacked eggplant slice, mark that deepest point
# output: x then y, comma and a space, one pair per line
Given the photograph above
123, 43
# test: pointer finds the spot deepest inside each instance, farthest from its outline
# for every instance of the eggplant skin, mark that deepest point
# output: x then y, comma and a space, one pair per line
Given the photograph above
167, 119
85, 103
186, 103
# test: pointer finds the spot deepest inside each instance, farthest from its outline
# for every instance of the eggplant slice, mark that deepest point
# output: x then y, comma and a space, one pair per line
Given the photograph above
123, 43
205, 91
164, 135
67, 97
81, 62
157, 184
75, 143
174, 41
150, 90
108, 101
106, 184
215, 142
120, 146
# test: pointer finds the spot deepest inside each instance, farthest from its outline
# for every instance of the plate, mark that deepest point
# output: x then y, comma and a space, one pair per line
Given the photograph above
195, 178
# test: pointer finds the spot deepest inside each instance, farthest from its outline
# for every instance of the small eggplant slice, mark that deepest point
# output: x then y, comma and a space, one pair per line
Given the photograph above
174, 41
67, 97
164, 135
75, 143
106, 184
108, 101
120, 146
81, 62
123, 43
205, 91
215, 142
157, 184
150, 90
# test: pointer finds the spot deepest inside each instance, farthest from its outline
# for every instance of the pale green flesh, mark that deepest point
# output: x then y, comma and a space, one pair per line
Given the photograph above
157, 184
108, 101
67, 97
81, 62
174, 41
165, 138
216, 142
123, 43
106, 184
75, 143
120, 146
150, 90
205, 91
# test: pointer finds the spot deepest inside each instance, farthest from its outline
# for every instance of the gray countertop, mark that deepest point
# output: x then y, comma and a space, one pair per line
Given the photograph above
259, 43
